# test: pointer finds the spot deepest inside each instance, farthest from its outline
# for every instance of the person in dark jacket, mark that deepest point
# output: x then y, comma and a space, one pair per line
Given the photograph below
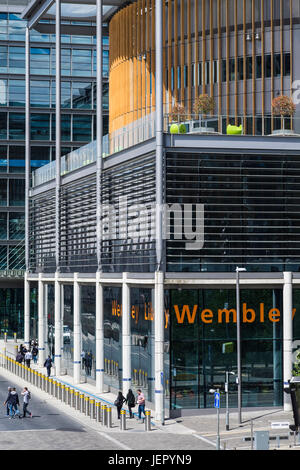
13, 402
119, 403
19, 358
48, 365
130, 400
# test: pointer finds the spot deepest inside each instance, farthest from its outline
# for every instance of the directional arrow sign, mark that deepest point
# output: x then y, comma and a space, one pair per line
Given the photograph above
217, 400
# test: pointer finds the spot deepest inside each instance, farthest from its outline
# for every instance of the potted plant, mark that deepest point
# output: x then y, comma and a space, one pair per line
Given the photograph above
283, 106
177, 117
204, 105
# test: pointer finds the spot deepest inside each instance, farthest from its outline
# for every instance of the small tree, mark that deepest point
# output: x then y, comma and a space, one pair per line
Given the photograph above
178, 113
296, 365
283, 106
204, 104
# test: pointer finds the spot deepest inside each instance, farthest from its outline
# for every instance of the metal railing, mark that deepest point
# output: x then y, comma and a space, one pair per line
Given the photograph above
143, 129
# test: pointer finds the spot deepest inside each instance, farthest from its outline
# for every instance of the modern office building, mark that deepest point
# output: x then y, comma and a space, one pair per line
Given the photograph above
173, 258
78, 128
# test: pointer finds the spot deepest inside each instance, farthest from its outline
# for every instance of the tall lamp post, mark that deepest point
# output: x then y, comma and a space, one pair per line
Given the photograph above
238, 334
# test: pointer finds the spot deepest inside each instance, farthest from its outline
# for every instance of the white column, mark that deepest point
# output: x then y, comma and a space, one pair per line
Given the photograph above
26, 310
287, 335
99, 335
57, 324
126, 336
76, 329
46, 310
159, 347
41, 319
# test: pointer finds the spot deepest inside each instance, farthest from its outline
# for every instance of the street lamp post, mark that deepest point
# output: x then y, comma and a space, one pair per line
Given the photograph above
227, 398
238, 333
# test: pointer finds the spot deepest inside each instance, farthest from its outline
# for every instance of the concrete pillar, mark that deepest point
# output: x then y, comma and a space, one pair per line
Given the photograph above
99, 335
46, 310
77, 329
41, 319
26, 310
287, 335
126, 336
159, 347
57, 324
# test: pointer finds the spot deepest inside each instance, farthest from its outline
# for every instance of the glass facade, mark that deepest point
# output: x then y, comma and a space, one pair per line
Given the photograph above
88, 331
78, 96
203, 346
113, 337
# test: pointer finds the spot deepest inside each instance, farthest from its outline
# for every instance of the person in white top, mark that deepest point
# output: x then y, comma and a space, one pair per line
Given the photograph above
26, 398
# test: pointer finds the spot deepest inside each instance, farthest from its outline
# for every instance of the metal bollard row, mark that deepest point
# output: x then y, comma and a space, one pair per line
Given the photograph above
95, 409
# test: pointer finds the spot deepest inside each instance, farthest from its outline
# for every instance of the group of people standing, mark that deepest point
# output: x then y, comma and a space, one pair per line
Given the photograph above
131, 401
12, 403
27, 355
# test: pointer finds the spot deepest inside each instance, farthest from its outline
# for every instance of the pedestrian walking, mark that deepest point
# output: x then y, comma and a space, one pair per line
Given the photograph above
141, 402
130, 400
88, 359
19, 357
34, 352
119, 403
28, 357
26, 397
7, 407
48, 365
13, 403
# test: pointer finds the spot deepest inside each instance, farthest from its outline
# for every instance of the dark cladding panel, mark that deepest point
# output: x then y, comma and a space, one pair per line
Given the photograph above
251, 211
78, 226
42, 233
128, 196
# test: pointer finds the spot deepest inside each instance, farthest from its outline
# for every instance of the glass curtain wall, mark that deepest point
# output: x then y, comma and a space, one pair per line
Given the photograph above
113, 337
11, 312
204, 346
68, 330
142, 341
88, 331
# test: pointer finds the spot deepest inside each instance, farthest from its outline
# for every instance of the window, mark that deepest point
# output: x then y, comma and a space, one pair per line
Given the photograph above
287, 64
3, 59
82, 95
17, 126
3, 225
82, 128
65, 127
16, 225
249, 67
39, 156
3, 92
65, 94
16, 28
277, 65
258, 66
40, 61
16, 59
17, 192
3, 159
17, 93
40, 126
81, 62
3, 125
40, 93
3, 192
17, 159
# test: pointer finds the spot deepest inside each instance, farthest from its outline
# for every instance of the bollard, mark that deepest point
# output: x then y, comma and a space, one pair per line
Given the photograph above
81, 403
55, 388
63, 392
123, 420
102, 415
67, 393
5, 337
87, 406
109, 417
72, 397
98, 411
147, 420
92, 409
77, 400
15, 337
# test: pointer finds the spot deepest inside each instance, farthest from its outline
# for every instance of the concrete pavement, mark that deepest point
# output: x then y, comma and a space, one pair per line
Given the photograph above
185, 433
